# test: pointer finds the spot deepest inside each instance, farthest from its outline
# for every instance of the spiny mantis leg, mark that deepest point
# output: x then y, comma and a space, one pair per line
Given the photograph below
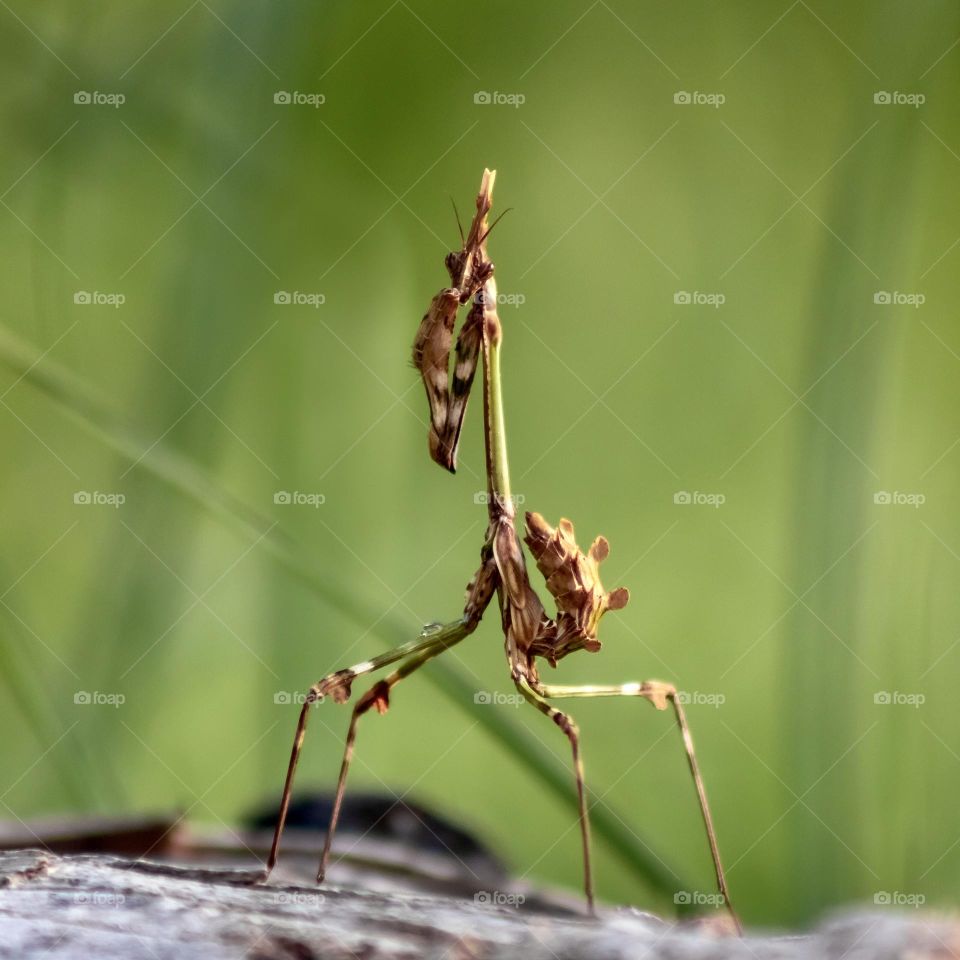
469, 270
431, 356
378, 696
465, 367
338, 684
567, 724
659, 694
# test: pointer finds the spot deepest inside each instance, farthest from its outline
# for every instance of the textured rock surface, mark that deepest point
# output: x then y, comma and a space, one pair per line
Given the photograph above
105, 907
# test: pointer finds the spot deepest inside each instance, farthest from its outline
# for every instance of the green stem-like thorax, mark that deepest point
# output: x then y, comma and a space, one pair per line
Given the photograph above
498, 469
495, 434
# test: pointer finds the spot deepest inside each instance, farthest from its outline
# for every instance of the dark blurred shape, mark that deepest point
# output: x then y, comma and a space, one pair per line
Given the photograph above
384, 818
133, 836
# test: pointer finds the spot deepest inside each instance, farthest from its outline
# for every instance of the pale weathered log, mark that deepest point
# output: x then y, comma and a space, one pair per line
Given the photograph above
87, 907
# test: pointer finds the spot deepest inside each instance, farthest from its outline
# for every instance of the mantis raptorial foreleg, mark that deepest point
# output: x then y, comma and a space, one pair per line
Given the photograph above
469, 344
431, 356
469, 271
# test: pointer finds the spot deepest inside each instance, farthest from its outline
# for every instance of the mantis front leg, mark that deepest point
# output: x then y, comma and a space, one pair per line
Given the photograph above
431, 356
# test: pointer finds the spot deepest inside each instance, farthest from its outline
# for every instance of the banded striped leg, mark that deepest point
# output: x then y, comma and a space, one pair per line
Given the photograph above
567, 724
337, 685
378, 696
659, 694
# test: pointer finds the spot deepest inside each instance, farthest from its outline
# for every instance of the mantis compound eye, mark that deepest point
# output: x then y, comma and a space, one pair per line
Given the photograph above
454, 263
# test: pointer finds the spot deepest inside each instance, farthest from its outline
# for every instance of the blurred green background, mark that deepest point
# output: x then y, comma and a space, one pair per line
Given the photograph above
790, 612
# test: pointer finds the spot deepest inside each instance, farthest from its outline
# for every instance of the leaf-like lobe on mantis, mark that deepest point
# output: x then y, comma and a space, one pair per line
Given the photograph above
573, 578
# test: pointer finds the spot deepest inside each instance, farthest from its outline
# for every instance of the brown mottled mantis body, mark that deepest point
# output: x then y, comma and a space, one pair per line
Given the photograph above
572, 576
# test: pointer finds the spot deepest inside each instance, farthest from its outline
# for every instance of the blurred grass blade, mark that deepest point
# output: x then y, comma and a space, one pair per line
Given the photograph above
82, 403
838, 662
34, 703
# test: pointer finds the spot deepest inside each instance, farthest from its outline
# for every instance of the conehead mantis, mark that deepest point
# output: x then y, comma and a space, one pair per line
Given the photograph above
572, 576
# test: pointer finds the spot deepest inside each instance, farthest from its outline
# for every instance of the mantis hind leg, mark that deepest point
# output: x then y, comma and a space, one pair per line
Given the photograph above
572, 732
337, 685
377, 697
660, 695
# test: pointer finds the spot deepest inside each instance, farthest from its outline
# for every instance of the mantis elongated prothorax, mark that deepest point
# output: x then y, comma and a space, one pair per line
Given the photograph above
572, 576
